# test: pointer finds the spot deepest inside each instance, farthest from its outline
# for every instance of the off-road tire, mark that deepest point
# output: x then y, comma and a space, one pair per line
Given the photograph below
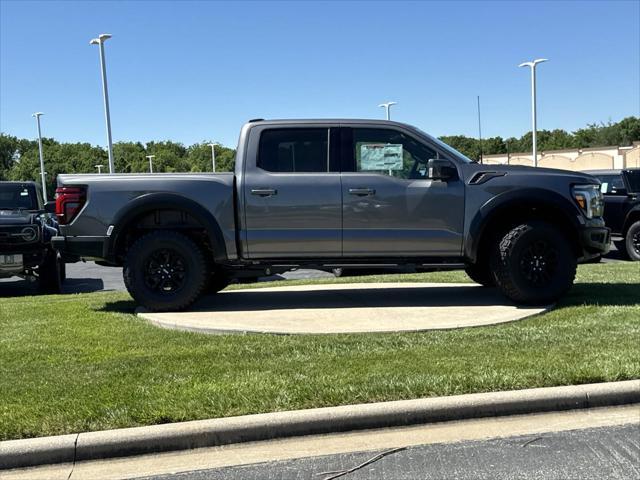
632, 242
534, 264
51, 273
142, 267
481, 273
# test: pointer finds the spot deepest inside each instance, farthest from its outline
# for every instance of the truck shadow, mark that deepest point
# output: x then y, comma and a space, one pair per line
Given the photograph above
23, 288
460, 296
465, 296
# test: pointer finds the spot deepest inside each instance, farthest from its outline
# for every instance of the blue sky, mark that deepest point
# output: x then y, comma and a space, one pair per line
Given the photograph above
190, 71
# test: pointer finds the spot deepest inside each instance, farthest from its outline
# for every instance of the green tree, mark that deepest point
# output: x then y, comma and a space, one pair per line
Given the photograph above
8, 154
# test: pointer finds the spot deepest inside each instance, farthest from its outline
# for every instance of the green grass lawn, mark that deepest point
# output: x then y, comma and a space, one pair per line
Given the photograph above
71, 363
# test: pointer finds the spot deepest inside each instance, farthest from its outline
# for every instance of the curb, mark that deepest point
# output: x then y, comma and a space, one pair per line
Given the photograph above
222, 431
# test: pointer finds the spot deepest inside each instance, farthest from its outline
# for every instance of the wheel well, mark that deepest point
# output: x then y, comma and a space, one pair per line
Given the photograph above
631, 219
516, 214
162, 219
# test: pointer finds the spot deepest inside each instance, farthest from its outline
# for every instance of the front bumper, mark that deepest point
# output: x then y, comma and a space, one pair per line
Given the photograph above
595, 240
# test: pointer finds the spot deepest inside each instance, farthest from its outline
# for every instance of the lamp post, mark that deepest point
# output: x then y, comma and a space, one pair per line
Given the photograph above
151, 157
99, 167
100, 42
37, 115
532, 65
213, 156
387, 108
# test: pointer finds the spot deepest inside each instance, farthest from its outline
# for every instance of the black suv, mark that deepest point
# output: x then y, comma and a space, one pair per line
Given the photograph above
621, 189
25, 237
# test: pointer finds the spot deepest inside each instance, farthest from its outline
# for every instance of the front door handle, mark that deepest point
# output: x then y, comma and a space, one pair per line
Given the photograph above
362, 192
264, 192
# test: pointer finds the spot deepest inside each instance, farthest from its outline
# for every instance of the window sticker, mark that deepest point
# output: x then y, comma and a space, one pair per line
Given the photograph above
381, 156
604, 187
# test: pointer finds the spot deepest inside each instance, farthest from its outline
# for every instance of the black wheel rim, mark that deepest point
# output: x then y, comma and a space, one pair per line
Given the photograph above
635, 241
539, 263
165, 271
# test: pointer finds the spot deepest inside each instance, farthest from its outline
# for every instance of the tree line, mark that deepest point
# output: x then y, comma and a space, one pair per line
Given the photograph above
622, 133
19, 157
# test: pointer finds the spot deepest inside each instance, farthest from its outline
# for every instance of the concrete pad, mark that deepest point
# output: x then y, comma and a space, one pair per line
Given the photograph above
346, 308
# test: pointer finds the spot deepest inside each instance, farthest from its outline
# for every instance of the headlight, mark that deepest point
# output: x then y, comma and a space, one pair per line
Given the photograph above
589, 199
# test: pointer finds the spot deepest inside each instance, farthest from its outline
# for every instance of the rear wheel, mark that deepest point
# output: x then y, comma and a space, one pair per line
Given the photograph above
165, 270
632, 242
534, 264
51, 273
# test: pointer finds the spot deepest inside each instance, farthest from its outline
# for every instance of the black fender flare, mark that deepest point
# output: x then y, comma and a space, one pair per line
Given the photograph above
150, 202
513, 198
632, 214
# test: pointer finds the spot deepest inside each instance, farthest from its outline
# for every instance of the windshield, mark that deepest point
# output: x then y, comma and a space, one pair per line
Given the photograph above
446, 147
16, 196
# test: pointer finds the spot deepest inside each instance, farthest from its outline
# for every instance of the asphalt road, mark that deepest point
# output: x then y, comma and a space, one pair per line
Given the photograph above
596, 453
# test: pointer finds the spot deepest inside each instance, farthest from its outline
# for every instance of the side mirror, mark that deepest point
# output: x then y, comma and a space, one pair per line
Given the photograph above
50, 207
441, 169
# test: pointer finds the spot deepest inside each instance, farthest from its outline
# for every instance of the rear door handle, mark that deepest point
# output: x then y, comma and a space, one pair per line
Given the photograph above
264, 192
362, 192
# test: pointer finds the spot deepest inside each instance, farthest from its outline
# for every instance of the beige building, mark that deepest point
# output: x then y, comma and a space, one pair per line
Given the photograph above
599, 158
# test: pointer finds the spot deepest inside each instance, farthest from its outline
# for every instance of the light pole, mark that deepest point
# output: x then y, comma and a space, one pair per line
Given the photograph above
479, 129
151, 157
387, 107
213, 156
100, 42
42, 172
99, 167
532, 65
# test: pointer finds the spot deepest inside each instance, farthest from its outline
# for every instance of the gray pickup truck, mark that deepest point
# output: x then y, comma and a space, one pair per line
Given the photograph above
335, 193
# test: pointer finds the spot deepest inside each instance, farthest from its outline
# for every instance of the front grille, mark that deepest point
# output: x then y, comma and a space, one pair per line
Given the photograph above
19, 235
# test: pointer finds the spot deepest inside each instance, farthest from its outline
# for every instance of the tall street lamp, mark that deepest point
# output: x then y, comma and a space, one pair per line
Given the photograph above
99, 167
533, 104
42, 172
151, 157
100, 42
213, 156
387, 107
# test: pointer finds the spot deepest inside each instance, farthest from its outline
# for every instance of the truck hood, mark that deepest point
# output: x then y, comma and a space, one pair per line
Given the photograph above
16, 217
521, 170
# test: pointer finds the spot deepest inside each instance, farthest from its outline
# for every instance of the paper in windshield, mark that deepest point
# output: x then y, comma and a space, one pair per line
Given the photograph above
381, 156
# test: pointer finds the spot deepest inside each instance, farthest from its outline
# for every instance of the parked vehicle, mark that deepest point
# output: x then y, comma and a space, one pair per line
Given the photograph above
621, 189
329, 194
26, 230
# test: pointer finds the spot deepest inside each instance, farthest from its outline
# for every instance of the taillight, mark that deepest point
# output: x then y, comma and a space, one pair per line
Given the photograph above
69, 201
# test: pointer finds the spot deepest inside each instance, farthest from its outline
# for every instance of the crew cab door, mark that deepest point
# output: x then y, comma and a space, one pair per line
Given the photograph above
291, 193
390, 205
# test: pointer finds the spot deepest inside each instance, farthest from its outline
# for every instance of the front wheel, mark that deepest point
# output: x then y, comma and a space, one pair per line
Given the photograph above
632, 242
165, 270
534, 264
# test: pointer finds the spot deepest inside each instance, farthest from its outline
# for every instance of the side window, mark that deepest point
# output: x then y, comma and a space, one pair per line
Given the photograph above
294, 150
612, 185
390, 152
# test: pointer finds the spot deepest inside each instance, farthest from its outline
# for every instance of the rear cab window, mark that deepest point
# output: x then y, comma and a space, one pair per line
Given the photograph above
289, 150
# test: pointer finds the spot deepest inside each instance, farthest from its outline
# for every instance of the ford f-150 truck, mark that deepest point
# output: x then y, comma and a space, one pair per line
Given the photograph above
335, 193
